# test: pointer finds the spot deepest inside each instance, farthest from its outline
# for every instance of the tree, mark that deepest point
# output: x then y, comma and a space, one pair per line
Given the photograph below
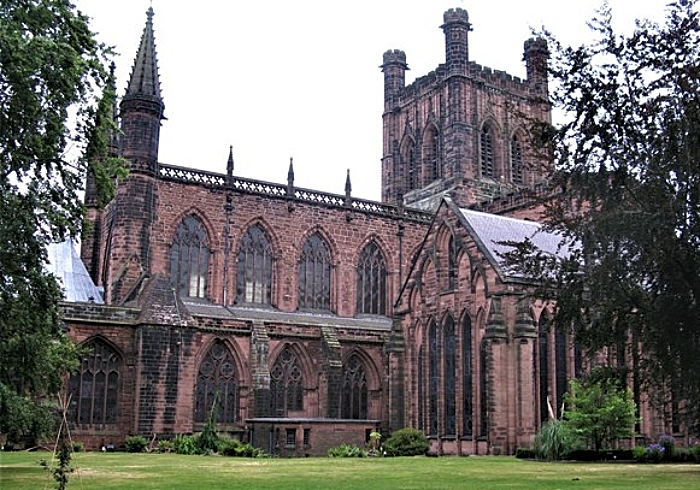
52, 71
626, 176
600, 409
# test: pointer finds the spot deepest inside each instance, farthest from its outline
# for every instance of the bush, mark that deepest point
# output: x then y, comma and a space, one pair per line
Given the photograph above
525, 453
669, 444
655, 453
554, 441
185, 444
136, 444
406, 442
78, 447
166, 446
346, 451
639, 453
695, 453
236, 448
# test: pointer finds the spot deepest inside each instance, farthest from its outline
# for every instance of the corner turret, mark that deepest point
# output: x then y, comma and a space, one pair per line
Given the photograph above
142, 107
394, 68
456, 27
535, 57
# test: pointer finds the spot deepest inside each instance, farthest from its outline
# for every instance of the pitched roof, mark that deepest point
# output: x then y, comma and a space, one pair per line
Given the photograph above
65, 263
489, 231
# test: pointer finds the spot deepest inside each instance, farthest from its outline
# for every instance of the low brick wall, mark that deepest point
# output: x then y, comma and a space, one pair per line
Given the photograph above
301, 437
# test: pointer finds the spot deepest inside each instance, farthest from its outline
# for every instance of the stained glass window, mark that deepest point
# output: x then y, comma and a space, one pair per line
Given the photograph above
354, 404
94, 387
467, 373
450, 360
433, 377
371, 281
254, 272
189, 258
286, 384
315, 274
216, 380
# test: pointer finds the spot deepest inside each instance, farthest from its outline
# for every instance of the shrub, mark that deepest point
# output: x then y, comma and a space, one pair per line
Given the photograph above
236, 448
185, 444
166, 446
346, 451
669, 444
78, 447
406, 442
136, 444
695, 453
639, 453
525, 453
655, 453
554, 441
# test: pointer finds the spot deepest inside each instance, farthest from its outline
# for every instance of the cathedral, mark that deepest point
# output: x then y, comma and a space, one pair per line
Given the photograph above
310, 319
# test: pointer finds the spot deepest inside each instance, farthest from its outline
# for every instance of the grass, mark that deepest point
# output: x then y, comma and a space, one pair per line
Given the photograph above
20, 470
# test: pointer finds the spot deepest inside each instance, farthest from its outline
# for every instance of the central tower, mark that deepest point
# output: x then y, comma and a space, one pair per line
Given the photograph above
461, 130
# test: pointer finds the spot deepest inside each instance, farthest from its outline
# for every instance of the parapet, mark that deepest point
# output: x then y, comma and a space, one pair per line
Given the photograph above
394, 56
456, 15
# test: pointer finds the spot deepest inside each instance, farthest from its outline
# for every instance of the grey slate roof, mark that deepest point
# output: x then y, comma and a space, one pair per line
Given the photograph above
488, 230
65, 263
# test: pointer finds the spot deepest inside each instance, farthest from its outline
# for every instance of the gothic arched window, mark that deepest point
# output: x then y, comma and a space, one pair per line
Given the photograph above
354, 403
371, 281
412, 167
315, 274
484, 388
431, 152
216, 380
254, 272
286, 384
433, 377
467, 373
561, 374
487, 152
542, 366
94, 387
421, 389
450, 361
189, 258
452, 251
516, 159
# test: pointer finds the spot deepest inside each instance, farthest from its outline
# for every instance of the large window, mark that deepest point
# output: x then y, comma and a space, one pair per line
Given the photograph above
542, 366
561, 350
189, 259
286, 384
431, 153
487, 152
452, 264
254, 272
371, 281
94, 387
354, 405
315, 274
433, 377
450, 362
217, 381
467, 373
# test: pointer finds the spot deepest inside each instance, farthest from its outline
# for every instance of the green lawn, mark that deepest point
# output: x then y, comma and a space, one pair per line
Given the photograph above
20, 470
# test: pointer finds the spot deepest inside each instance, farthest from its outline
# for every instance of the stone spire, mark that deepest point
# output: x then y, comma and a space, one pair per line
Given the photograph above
142, 107
144, 74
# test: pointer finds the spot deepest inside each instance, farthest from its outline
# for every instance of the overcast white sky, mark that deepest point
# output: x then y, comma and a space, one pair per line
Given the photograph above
301, 78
